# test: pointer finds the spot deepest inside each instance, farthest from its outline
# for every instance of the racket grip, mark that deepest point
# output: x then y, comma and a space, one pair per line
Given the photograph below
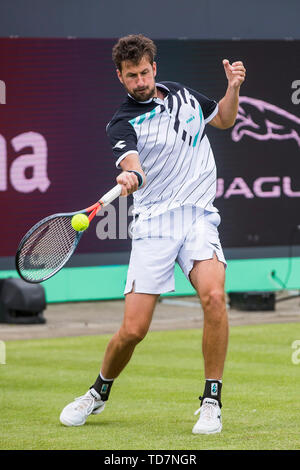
111, 195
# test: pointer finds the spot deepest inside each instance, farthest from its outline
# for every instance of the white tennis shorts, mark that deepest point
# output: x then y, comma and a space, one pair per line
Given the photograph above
182, 235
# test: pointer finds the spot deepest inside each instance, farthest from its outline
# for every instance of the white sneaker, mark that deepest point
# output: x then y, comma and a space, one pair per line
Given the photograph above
76, 413
210, 420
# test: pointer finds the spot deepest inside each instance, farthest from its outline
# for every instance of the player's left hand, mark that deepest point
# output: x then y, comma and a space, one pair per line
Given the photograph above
235, 73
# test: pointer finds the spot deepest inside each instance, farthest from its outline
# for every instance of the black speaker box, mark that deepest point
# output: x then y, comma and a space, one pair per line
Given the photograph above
21, 302
252, 301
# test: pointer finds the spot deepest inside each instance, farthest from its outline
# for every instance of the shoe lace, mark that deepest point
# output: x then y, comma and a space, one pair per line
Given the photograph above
206, 411
85, 403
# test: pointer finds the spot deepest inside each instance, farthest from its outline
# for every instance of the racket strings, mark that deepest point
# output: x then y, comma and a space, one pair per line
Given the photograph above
47, 248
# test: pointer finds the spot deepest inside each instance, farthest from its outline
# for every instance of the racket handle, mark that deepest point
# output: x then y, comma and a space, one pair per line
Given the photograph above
111, 195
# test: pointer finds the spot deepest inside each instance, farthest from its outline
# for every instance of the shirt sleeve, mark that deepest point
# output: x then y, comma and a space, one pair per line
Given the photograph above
123, 139
209, 107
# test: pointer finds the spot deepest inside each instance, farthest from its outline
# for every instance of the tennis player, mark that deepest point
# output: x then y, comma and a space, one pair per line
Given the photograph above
159, 142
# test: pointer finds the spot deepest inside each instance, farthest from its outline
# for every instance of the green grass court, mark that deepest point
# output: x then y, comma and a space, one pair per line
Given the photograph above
152, 403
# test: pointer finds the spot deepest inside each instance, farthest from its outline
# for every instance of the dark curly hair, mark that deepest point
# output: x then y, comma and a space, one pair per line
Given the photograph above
133, 48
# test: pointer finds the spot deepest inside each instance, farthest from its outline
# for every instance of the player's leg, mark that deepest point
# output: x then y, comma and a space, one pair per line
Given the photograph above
136, 321
150, 273
208, 278
202, 260
138, 314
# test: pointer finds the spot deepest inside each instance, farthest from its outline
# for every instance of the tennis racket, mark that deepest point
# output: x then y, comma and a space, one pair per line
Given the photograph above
50, 243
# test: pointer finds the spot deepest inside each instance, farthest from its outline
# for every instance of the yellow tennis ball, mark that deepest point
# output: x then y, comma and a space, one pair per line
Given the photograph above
80, 222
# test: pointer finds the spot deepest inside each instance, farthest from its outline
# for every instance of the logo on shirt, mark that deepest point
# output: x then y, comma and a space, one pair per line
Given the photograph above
191, 118
120, 145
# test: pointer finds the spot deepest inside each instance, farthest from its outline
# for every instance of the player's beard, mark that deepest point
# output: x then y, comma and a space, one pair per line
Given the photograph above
144, 94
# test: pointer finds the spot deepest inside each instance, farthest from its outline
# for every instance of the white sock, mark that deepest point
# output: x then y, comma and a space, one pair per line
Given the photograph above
106, 380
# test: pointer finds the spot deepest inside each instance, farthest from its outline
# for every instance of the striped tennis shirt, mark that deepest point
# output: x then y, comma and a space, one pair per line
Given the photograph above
174, 151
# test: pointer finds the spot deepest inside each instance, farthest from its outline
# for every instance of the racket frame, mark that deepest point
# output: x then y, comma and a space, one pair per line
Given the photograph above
35, 227
90, 211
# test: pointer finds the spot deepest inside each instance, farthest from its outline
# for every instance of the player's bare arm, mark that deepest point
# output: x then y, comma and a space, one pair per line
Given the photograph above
128, 179
228, 105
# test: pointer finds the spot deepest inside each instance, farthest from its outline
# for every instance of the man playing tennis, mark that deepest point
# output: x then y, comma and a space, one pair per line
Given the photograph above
159, 142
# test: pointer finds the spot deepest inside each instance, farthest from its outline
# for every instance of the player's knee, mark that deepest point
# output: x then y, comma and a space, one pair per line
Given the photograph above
214, 303
132, 335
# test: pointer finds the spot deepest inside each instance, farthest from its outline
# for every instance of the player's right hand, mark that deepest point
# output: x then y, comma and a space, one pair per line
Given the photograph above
129, 182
